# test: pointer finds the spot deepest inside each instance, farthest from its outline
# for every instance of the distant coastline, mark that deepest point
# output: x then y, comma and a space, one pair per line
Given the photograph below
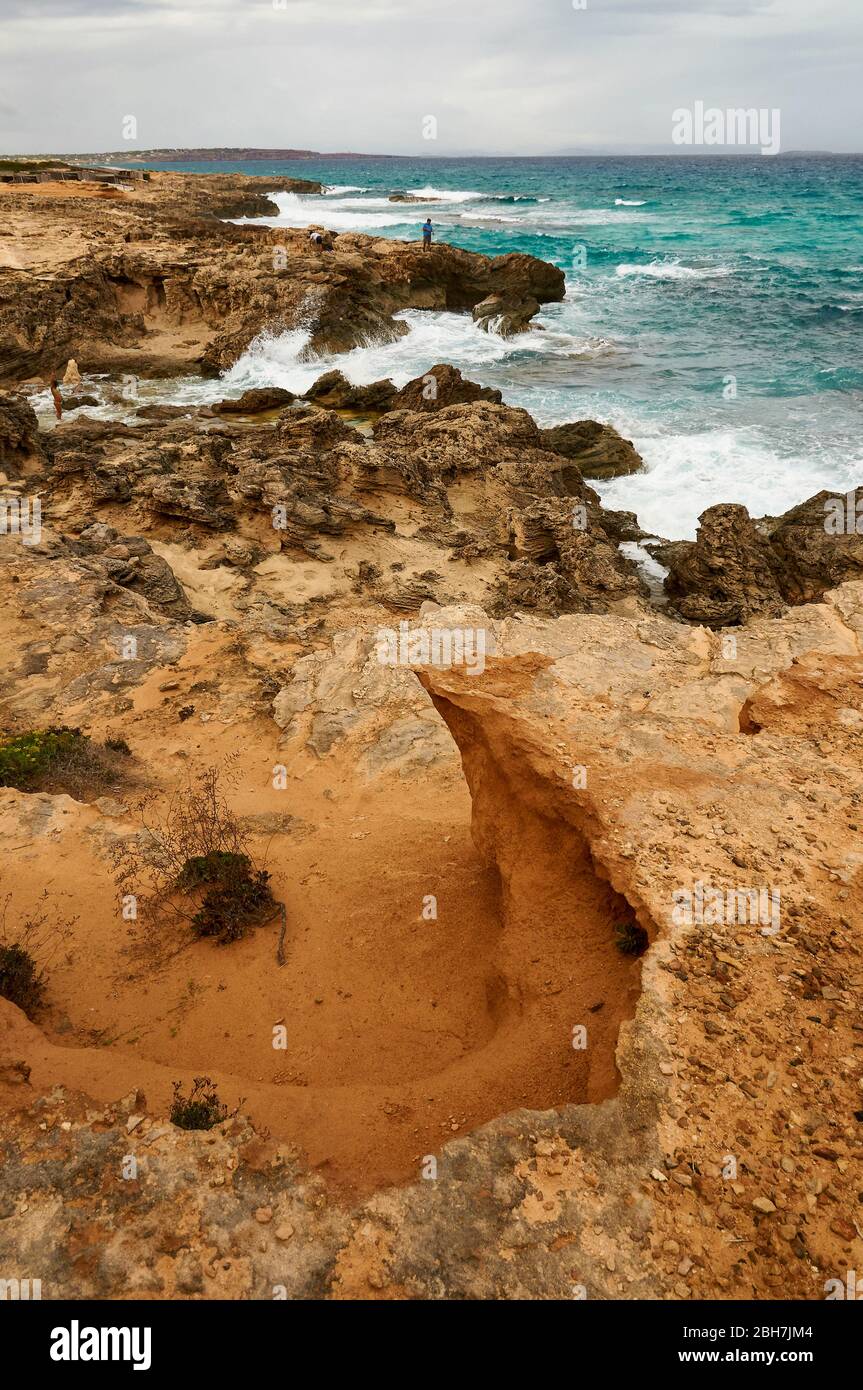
258, 154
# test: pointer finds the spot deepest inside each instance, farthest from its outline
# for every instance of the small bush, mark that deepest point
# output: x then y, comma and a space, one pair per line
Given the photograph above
236, 899
216, 866
27, 759
118, 745
27, 951
631, 939
228, 913
192, 864
21, 979
55, 759
200, 1109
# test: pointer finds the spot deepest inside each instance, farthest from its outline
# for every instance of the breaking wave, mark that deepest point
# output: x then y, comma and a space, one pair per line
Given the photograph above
673, 270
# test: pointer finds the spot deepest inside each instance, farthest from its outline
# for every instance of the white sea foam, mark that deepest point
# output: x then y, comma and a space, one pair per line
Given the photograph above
483, 219
434, 336
350, 208
652, 572
673, 270
601, 217
685, 473
297, 211
346, 204
629, 202
444, 195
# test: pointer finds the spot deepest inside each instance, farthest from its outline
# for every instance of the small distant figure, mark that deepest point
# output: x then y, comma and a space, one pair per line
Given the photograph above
427, 234
57, 398
317, 240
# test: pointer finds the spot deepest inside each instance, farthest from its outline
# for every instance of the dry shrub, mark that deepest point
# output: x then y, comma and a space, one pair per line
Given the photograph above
28, 947
201, 1108
190, 863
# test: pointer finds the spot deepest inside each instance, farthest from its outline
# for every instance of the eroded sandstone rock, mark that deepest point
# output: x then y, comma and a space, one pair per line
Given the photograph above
335, 392
255, 400
818, 545
441, 386
20, 447
506, 314
737, 566
599, 450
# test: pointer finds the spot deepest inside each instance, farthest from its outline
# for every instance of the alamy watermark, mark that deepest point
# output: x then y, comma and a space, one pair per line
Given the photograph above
77, 1343
15, 1290
837, 1289
844, 515
735, 126
21, 516
703, 905
436, 646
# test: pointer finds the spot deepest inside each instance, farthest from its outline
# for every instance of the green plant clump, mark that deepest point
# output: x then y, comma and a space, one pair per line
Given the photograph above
631, 939
216, 866
26, 759
237, 896
200, 1109
20, 978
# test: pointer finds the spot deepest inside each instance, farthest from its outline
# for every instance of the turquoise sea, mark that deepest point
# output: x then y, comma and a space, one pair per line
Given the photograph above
714, 309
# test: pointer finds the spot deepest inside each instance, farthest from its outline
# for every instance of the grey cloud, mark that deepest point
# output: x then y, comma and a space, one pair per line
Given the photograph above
503, 76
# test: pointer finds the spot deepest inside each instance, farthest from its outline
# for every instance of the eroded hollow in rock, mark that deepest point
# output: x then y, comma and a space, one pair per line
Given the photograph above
431, 983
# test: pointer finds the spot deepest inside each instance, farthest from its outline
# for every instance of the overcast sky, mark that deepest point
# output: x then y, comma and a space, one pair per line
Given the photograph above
499, 76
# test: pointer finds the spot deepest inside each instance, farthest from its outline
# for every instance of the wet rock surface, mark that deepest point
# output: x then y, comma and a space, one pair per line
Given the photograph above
599, 450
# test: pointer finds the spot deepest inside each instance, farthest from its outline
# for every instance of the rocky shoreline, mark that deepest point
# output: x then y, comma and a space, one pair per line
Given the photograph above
210, 585
155, 281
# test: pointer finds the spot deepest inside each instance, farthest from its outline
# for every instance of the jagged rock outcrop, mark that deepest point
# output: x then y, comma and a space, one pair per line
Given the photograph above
335, 392
818, 544
130, 562
505, 313
503, 520
599, 450
737, 567
727, 574
561, 566
254, 401
223, 195
20, 446
442, 386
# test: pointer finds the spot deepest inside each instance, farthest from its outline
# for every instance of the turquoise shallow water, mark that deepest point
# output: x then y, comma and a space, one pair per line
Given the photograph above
714, 309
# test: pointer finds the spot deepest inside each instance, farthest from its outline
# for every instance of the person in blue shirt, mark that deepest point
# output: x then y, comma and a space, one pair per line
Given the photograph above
427, 233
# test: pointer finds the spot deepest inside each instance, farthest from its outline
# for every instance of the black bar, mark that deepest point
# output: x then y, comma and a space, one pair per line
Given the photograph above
244, 1338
